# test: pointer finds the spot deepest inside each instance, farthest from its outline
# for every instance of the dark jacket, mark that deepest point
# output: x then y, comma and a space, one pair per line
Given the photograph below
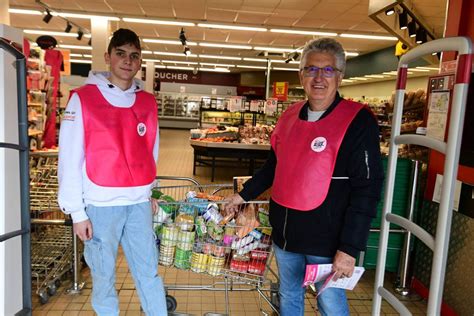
342, 221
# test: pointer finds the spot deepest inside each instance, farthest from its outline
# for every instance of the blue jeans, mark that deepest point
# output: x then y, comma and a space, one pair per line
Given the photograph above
130, 226
291, 271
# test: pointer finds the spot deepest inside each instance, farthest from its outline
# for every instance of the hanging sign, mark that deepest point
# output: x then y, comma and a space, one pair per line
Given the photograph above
235, 104
280, 91
270, 106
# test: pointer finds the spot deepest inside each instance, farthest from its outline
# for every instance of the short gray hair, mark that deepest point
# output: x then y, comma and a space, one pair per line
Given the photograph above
325, 45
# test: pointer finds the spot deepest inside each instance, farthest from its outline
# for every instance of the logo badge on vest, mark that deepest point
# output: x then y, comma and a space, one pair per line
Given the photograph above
319, 144
141, 129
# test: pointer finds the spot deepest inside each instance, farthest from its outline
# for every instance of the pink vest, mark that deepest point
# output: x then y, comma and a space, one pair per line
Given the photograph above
119, 141
306, 154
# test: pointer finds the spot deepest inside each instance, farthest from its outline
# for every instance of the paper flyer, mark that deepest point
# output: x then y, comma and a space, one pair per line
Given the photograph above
318, 272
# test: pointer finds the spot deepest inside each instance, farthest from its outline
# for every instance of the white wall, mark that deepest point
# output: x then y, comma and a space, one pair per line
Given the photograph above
381, 88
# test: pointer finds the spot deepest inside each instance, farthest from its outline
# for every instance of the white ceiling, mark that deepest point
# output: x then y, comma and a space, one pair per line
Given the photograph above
340, 16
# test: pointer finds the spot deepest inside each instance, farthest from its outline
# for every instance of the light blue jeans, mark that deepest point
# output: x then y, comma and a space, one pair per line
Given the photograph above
130, 226
291, 272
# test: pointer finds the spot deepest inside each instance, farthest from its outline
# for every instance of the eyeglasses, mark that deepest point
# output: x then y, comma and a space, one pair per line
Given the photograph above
312, 71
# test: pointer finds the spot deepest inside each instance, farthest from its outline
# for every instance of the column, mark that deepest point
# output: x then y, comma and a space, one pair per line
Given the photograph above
150, 76
100, 32
4, 15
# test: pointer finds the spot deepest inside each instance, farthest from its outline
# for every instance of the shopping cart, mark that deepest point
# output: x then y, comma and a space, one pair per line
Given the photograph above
193, 235
52, 251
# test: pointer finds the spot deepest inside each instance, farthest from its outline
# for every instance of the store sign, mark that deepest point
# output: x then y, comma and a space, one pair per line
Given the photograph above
235, 104
448, 66
280, 91
270, 106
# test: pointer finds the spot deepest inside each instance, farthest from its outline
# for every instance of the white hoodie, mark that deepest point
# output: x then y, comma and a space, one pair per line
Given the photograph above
76, 190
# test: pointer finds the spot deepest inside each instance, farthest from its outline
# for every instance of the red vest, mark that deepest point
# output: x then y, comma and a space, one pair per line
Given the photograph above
306, 154
119, 141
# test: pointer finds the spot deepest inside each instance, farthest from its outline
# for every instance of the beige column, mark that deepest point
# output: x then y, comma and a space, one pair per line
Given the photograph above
4, 15
150, 76
100, 31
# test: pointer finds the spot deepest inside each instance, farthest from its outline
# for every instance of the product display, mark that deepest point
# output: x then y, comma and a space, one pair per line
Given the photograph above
198, 236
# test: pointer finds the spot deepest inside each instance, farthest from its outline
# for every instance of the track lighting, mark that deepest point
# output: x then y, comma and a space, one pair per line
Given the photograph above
68, 27
89, 42
187, 51
292, 57
421, 36
403, 20
390, 11
47, 17
182, 37
80, 33
412, 28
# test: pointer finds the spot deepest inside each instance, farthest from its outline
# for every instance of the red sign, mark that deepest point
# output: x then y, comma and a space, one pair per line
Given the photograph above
280, 91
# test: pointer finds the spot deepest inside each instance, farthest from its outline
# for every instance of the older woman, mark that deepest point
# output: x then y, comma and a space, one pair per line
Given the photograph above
326, 175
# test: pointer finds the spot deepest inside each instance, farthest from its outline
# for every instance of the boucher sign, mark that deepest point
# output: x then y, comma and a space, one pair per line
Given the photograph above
176, 76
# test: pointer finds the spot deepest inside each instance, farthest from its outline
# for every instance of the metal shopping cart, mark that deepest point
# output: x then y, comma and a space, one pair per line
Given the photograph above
52, 251
193, 235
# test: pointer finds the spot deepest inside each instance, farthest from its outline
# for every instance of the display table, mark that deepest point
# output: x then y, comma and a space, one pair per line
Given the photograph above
214, 154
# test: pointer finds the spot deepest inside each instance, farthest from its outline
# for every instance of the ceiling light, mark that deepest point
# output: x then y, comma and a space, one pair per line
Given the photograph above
403, 20
86, 56
390, 73
256, 59
418, 70
216, 65
75, 55
412, 28
80, 61
84, 16
371, 37
286, 61
148, 52
232, 27
359, 78
68, 27
301, 32
47, 17
347, 80
215, 69
179, 62
288, 69
52, 33
173, 54
427, 68
220, 57
352, 54
274, 49
225, 45
390, 11
75, 47
160, 66
253, 67
375, 76
21, 11
187, 51
152, 60
162, 22
170, 42
80, 33
421, 36
180, 68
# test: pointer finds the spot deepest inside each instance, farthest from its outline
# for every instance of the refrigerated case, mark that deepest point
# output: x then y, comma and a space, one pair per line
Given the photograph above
178, 110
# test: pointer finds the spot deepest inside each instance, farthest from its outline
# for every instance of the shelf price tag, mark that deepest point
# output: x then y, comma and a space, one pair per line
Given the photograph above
235, 104
270, 106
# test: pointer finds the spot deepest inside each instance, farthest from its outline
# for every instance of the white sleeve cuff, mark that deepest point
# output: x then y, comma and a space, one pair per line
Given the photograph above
79, 216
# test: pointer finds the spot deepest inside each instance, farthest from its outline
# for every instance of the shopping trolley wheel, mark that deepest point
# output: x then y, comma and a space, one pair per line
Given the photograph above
43, 296
274, 295
171, 303
57, 282
52, 289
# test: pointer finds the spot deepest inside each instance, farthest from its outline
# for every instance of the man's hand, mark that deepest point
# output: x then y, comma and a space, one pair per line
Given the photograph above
231, 207
343, 265
154, 206
83, 230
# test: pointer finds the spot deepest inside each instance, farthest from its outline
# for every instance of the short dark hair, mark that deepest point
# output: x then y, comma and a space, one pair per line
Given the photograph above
123, 37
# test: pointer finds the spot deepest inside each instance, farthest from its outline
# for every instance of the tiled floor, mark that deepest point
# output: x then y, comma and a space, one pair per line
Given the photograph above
176, 159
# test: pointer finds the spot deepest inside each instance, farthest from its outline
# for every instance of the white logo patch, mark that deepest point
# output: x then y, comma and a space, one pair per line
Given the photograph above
319, 144
141, 129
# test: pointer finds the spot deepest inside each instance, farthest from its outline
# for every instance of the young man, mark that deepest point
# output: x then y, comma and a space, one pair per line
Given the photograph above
107, 163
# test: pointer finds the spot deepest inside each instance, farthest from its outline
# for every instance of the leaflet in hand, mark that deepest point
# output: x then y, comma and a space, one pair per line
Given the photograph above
319, 272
